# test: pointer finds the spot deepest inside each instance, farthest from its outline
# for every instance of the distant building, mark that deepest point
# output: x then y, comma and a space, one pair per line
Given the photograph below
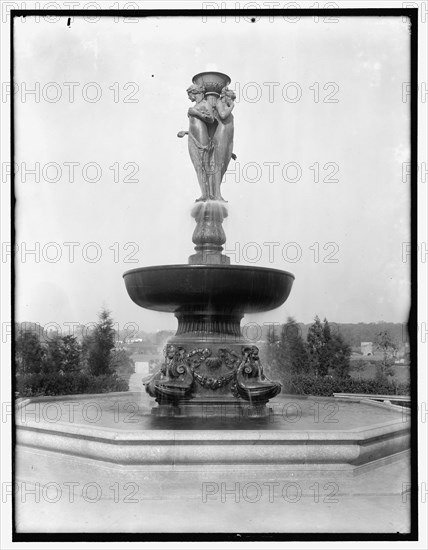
367, 348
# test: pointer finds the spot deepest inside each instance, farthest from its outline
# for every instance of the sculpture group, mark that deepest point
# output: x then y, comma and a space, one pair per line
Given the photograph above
210, 136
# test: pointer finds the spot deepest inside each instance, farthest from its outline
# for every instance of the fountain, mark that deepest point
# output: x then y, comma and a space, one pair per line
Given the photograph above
213, 429
209, 363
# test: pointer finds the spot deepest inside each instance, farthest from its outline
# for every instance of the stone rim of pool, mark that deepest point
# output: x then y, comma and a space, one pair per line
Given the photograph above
342, 450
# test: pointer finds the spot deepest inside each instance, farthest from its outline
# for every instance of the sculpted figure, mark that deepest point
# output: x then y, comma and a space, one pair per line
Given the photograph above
170, 353
222, 140
174, 379
251, 382
201, 128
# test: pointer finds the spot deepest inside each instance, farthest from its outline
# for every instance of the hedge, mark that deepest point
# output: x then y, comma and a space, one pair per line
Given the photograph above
301, 384
31, 385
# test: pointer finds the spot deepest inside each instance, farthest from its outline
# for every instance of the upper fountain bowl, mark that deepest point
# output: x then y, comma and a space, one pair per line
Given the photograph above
213, 82
208, 288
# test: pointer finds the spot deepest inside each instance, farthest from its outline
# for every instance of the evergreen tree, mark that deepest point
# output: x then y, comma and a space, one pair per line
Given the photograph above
100, 344
292, 350
339, 356
315, 341
328, 352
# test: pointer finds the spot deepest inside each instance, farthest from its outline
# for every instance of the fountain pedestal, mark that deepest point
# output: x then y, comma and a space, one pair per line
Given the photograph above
209, 235
214, 367
209, 366
223, 409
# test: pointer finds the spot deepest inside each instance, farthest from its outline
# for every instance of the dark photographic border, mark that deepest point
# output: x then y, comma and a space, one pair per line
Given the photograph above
412, 14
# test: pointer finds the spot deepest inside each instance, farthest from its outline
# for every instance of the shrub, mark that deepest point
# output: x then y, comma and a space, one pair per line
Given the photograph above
34, 384
326, 386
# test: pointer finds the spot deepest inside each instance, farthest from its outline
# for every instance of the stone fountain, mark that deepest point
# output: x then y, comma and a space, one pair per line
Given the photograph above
208, 364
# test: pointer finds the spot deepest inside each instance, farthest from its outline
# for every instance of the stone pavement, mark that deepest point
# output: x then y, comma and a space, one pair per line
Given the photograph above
56, 493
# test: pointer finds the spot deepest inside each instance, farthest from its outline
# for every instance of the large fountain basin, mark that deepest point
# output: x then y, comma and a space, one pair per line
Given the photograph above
343, 436
210, 288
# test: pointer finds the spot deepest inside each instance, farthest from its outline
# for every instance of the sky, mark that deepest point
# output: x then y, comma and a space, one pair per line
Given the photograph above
321, 136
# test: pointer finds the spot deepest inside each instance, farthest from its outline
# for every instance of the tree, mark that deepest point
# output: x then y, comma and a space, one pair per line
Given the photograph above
62, 355
292, 350
388, 346
61, 366
29, 353
359, 367
339, 354
99, 345
316, 343
328, 352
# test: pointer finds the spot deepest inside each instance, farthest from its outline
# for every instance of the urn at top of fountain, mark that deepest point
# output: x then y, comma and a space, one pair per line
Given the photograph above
212, 81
